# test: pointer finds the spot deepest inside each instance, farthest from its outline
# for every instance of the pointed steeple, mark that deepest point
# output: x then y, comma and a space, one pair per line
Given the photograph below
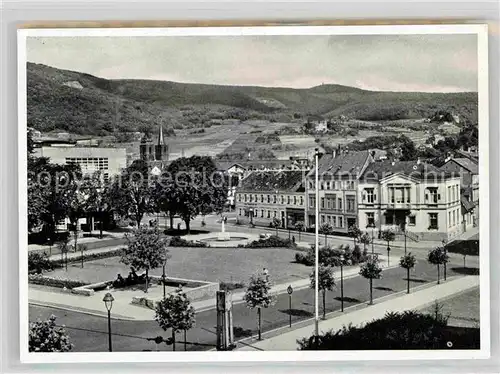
161, 141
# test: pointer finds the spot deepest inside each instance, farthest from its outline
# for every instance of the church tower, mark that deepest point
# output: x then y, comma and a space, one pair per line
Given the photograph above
161, 149
146, 149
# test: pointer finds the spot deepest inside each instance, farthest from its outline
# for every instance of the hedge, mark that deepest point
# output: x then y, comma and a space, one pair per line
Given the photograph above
54, 282
180, 242
88, 257
329, 256
271, 242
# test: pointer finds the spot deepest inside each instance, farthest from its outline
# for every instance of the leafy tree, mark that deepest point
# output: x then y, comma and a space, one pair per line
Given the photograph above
408, 262
355, 233
388, 236
326, 229
437, 256
175, 312
299, 226
258, 296
326, 281
365, 239
131, 193
276, 223
99, 197
371, 270
408, 150
78, 205
46, 336
146, 250
195, 186
396, 331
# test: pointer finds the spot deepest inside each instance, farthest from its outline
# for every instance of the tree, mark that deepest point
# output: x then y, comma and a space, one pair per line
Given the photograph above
99, 197
195, 186
78, 205
276, 223
355, 233
365, 239
175, 312
146, 250
388, 236
258, 296
408, 150
300, 226
131, 193
437, 256
326, 229
326, 281
408, 262
46, 336
371, 270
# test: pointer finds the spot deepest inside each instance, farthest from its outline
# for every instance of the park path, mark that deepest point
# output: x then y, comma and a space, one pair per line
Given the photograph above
415, 300
122, 309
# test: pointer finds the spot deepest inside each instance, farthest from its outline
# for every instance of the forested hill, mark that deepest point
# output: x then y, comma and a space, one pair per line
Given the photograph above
85, 104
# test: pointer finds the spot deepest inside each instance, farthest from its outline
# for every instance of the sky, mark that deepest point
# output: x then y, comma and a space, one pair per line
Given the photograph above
425, 63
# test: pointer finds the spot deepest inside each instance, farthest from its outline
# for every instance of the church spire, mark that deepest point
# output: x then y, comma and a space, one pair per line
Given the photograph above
161, 141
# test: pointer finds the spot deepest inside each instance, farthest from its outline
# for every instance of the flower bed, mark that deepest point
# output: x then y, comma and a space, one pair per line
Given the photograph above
180, 242
271, 242
54, 282
332, 256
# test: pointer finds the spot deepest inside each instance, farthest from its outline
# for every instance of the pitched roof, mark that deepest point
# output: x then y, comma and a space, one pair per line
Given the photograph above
382, 169
467, 205
467, 164
270, 181
348, 162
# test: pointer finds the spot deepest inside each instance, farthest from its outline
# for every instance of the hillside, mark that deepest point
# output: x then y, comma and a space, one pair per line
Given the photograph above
81, 103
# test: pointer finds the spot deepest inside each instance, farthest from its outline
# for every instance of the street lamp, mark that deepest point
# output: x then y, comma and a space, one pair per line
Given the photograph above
108, 302
163, 276
316, 262
342, 280
373, 249
289, 290
445, 253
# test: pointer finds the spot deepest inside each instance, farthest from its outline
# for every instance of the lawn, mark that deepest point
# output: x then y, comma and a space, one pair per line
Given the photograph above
463, 309
209, 264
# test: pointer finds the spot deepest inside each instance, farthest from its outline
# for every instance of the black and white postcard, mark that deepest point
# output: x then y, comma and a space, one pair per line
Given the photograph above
253, 193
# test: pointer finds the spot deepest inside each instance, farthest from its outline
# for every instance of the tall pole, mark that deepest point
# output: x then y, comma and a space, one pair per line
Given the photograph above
316, 260
341, 287
163, 282
373, 249
404, 233
109, 331
290, 310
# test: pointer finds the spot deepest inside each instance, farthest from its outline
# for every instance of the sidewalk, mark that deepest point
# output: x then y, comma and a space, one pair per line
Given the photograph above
123, 309
416, 300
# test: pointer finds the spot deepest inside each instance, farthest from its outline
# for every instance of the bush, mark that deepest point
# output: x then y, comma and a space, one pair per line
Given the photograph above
271, 242
180, 242
230, 286
54, 282
305, 259
329, 256
88, 257
407, 330
39, 262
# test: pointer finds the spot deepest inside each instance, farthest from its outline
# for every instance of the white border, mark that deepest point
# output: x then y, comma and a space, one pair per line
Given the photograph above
272, 356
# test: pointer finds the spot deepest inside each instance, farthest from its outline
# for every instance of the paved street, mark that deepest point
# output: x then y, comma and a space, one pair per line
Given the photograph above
89, 332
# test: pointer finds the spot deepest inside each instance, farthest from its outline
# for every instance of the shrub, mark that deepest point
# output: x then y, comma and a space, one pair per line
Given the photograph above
329, 256
54, 282
39, 262
305, 259
229, 286
271, 242
46, 336
180, 242
88, 257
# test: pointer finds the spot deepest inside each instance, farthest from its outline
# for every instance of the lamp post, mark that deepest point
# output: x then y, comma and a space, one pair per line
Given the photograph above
289, 290
404, 233
108, 302
342, 280
316, 262
373, 249
445, 252
163, 276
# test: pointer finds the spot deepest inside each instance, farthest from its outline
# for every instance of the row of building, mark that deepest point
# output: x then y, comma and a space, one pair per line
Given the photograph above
427, 202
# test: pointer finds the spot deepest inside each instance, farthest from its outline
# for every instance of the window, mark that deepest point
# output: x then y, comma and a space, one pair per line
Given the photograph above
327, 185
274, 199
433, 221
239, 198
432, 196
454, 216
449, 219
322, 218
339, 203
449, 194
321, 186
282, 199
350, 201
341, 222
323, 203
311, 185
262, 213
268, 214
370, 219
329, 218
412, 220
245, 198
295, 200
274, 214
312, 201
370, 197
251, 198
288, 200
389, 219
301, 200
334, 221
261, 198
239, 212
269, 199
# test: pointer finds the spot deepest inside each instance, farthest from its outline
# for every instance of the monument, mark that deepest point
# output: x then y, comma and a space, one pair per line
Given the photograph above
223, 236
